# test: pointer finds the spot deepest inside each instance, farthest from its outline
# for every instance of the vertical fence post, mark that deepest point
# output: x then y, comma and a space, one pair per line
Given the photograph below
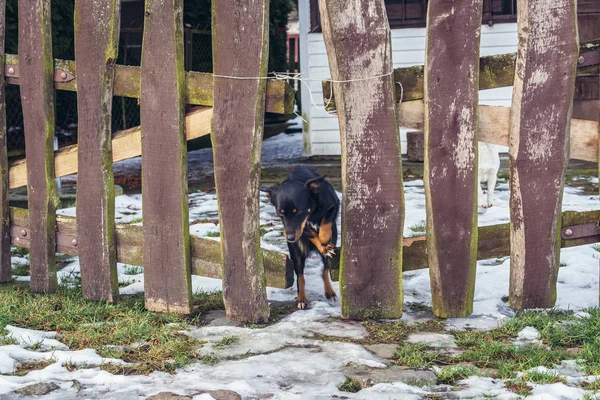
451, 97
240, 49
167, 275
37, 95
358, 42
5, 266
539, 146
96, 46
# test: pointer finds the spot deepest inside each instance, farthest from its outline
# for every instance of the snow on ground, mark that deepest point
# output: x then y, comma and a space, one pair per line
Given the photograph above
287, 359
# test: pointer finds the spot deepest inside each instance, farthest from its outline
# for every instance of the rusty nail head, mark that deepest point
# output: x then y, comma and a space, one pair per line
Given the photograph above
11, 70
74, 242
568, 232
23, 232
581, 59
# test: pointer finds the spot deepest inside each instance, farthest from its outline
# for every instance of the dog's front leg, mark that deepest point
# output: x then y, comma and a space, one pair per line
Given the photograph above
325, 248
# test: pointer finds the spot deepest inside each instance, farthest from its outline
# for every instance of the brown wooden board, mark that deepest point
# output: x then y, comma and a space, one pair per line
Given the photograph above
494, 124
539, 146
96, 46
5, 265
494, 72
357, 39
450, 176
494, 242
279, 97
167, 276
240, 48
125, 144
205, 253
37, 97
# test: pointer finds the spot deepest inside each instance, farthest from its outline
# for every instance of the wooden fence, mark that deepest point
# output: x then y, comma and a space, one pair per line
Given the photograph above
441, 98
163, 88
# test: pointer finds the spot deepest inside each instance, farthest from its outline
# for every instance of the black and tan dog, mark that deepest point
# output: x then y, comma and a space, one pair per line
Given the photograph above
308, 207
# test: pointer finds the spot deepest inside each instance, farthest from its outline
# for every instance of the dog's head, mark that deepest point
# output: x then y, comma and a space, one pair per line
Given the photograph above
294, 202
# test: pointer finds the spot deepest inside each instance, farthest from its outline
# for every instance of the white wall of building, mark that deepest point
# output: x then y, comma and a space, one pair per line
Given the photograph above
321, 132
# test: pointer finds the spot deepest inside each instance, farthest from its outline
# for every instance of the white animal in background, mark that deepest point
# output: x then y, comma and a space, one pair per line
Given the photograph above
489, 163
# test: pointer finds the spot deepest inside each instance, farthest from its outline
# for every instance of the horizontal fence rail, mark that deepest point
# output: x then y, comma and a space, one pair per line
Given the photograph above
494, 72
206, 257
578, 228
199, 85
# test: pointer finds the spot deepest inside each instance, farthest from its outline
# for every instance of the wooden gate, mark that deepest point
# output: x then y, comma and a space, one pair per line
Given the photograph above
163, 245
441, 98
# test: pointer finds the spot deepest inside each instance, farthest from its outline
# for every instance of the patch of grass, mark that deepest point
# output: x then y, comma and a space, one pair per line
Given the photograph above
226, 341
394, 332
542, 377
350, 385
20, 269
25, 368
417, 228
509, 359
133, 270
594, 385
86, 324
596, 247
136, 220
263, 231
208, 301
416, 355
416, 307
519, 387
209, 359
7, 340
19, 251
450, 375
213, 234
70, 281
591, 396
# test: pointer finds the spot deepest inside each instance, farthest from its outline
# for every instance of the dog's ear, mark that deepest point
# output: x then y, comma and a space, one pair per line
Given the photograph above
269, 190
315, 184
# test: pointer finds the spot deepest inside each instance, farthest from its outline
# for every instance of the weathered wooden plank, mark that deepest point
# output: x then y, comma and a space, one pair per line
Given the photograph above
279, 97
167, 275
539, 146
494, 72
493, 128
125, 144
371, 276
96, 47
494, 242
37, 96
205, 253
5, 265
450, 177
237, 143
494, 125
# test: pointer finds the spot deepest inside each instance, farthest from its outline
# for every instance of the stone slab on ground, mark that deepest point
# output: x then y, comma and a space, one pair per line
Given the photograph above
383, 350
367, 376
37, 389
443, 342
